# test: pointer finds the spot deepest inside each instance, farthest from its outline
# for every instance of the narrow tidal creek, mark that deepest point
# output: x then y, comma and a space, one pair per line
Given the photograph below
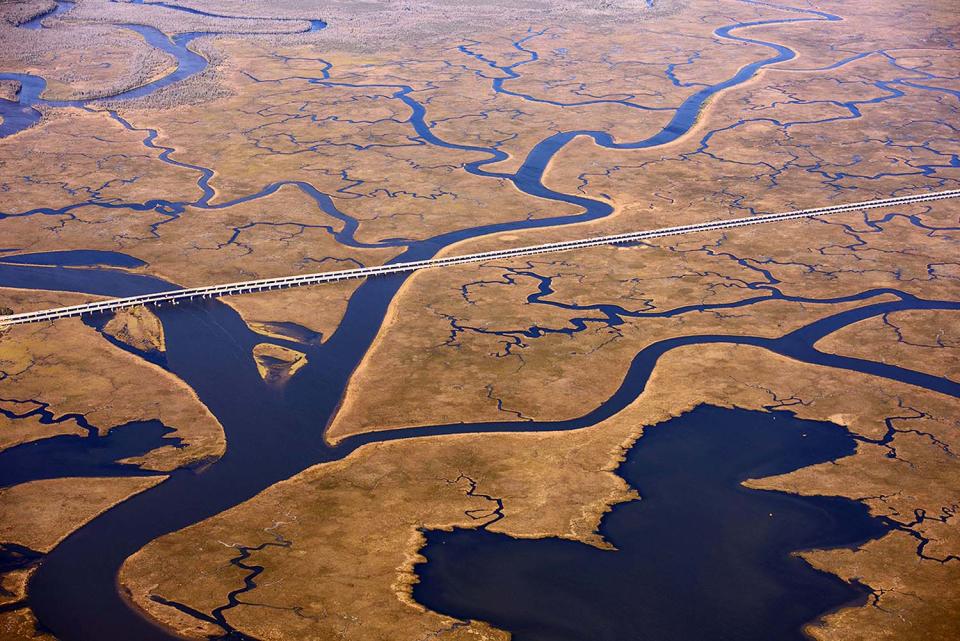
699, 557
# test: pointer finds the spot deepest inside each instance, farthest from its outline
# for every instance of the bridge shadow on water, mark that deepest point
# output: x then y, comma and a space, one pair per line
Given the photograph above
699, 556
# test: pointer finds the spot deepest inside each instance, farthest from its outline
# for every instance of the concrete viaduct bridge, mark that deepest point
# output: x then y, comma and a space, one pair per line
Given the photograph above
266, 284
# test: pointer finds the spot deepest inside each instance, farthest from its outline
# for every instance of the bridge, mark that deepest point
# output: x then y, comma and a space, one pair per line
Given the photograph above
266, 284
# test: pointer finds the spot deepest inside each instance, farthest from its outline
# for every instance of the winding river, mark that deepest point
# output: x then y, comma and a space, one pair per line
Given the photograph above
22, 114
74, 591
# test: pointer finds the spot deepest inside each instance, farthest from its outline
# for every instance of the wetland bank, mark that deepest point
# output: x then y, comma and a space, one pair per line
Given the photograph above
382, 436
693, 519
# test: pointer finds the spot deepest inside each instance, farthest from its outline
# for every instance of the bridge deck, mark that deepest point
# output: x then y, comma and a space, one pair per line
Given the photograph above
244, 287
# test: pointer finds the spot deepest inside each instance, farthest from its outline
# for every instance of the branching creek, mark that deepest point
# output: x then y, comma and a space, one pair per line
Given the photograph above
273, 433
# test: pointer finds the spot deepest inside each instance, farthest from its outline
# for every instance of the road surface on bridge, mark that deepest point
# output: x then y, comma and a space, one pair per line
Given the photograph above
265, 284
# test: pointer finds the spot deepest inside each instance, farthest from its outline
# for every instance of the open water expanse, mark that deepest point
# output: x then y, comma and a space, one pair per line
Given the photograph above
697, 543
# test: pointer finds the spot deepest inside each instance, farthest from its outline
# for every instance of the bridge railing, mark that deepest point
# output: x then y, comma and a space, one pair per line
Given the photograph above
266, 284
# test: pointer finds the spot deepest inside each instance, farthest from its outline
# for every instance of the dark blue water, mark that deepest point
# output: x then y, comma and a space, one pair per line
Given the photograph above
74, 590
698, 558
15, 557
92, 455
99, 323
19, 115
100, 281
294, 332
75, 258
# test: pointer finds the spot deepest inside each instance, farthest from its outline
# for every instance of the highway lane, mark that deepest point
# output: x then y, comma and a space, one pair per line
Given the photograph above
265, 284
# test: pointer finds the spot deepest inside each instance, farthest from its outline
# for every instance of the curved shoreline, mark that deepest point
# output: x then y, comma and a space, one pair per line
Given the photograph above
695, 461
294, 443
198, 353
36, 22
20, 115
